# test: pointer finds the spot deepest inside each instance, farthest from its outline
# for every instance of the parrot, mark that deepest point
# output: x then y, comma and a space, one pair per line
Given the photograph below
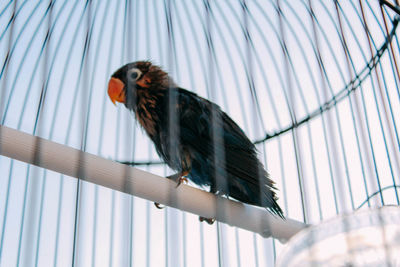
193, 136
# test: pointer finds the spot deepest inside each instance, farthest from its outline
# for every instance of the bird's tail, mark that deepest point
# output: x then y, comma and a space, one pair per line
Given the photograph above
270, 198
274, 208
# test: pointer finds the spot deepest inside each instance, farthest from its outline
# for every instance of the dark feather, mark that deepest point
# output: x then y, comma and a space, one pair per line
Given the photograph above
193, 134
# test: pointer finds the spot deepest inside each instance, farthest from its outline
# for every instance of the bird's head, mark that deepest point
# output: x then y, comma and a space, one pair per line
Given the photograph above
135, 79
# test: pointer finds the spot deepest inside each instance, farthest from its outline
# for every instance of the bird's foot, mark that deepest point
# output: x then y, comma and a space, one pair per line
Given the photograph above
158, 205
179, 177
182, 179
208, 220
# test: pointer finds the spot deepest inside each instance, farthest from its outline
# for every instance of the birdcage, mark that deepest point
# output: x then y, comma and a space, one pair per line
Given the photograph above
313, 84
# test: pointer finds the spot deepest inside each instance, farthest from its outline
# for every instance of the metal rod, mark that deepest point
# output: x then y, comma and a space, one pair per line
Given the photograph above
69, 161
395, 8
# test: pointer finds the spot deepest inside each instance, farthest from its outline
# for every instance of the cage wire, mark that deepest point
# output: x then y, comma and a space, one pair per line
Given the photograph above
314, 84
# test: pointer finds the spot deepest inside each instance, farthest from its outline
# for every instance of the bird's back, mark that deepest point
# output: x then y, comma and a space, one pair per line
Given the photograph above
220, 154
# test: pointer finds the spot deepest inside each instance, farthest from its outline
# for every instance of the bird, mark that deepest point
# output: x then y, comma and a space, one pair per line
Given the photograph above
193, 136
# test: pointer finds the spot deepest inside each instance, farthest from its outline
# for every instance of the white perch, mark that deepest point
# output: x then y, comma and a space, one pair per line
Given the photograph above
88, 167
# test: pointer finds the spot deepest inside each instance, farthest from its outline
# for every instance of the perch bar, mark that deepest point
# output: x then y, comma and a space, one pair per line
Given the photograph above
91, 168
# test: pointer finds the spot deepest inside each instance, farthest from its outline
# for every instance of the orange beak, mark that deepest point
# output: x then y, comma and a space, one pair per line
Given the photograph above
116, 90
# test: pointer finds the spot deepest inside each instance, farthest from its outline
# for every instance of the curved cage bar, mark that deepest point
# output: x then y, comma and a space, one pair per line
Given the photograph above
314, 84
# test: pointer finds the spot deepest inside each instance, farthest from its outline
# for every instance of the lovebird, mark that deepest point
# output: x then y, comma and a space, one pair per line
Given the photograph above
193, 136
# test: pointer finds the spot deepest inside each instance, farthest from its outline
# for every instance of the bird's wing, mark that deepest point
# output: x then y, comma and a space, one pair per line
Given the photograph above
211, 132
212, 135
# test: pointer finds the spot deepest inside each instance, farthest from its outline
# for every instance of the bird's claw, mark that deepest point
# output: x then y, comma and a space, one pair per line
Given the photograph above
158, 205
208, 220
182, 179
179, 178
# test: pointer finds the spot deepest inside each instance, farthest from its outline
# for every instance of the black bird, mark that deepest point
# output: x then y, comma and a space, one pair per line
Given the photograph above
194, 136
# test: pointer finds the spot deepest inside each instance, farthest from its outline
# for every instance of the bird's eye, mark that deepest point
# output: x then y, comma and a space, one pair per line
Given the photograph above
134, 74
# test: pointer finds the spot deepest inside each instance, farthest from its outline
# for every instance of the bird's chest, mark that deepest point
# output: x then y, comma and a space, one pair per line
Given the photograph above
148, 117
153, 114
